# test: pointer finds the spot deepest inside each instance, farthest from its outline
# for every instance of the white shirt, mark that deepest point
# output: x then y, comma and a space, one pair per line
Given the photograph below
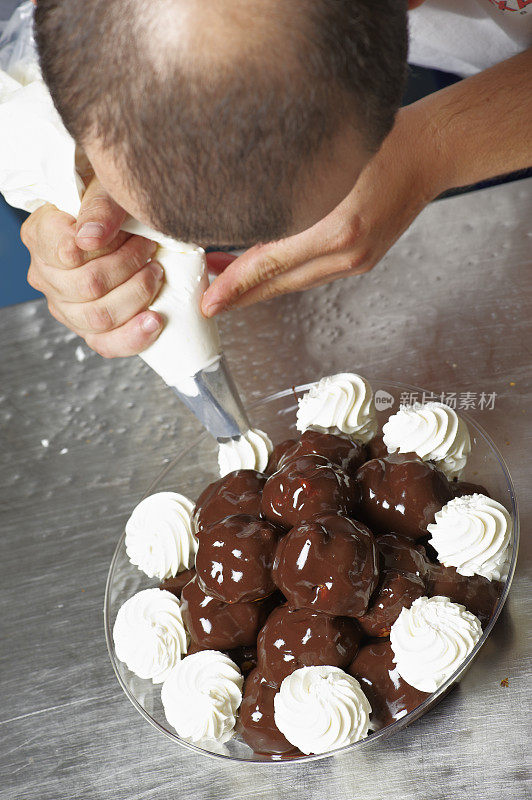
467, 36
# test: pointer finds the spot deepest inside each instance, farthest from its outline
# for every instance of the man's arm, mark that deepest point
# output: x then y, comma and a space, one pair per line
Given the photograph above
474, 130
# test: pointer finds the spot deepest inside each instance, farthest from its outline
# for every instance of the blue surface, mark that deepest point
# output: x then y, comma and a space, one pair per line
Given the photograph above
14, 259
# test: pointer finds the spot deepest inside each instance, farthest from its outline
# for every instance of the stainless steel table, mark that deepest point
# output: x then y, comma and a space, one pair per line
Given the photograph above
81, 438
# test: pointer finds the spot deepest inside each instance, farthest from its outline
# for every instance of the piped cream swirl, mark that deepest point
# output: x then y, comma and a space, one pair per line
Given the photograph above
201, 696
159, 536
319, 709
472, 534
149, 634
431, 639
250, 451
432, 430
342, 402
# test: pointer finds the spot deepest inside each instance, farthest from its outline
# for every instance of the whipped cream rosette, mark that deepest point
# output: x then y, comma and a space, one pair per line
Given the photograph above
321, 708
149, 634
431, 639
433, 431
159, 535
201, 696
472, 533
342, 402
250, 451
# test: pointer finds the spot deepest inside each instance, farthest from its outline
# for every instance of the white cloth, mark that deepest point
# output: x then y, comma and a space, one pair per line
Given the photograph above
468, 36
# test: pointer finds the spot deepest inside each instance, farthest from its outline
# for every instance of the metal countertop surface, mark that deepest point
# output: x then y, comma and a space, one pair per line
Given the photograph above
81, 439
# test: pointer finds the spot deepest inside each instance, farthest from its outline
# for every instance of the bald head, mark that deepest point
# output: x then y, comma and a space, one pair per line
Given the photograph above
212, 120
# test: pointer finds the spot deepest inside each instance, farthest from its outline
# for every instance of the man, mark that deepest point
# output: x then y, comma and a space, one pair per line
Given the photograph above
254, 121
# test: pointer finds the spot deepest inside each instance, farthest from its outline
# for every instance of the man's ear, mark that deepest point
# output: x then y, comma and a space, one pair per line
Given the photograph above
414, 4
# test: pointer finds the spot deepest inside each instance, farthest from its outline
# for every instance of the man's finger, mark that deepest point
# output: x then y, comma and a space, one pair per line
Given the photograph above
119, 305
307, 276
264, 262
129, 339
101, 275
99, 218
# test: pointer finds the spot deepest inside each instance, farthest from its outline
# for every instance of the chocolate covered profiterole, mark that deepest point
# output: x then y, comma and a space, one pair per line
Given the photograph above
397, 552
277, 454
396, 590
178, 582
291, 639
401, 494
305, 486
215, 625
477, 594
338, 450
327, 564
256, 722
390, 697
238, 492
462, 488
234, 560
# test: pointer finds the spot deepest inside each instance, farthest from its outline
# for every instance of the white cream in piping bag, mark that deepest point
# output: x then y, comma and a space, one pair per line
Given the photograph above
38, 166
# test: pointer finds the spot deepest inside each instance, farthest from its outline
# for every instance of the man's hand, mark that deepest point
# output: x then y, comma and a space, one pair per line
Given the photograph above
474, 130
98, 280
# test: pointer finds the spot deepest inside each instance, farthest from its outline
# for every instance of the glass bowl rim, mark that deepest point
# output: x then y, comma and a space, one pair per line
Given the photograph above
407, 719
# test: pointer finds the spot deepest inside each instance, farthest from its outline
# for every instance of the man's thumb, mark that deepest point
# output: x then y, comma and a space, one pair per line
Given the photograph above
99, 218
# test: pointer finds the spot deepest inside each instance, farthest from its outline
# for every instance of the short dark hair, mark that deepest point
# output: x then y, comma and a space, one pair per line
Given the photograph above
215, 157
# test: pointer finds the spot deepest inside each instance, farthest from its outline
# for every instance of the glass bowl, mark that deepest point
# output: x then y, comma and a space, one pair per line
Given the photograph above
196, 467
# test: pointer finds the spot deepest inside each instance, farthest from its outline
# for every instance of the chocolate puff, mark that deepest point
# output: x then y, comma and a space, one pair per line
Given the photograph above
396, 590
256, 722
327, 564
390, 697
305, 486
376, 448
277, 454
238, 492
235, 557
462, 488
244, 657
397, 552
401, 494
215, 625
291, 639
476, 593
176, 584
338, 450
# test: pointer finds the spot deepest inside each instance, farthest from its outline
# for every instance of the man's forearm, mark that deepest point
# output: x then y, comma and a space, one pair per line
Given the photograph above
478, 128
